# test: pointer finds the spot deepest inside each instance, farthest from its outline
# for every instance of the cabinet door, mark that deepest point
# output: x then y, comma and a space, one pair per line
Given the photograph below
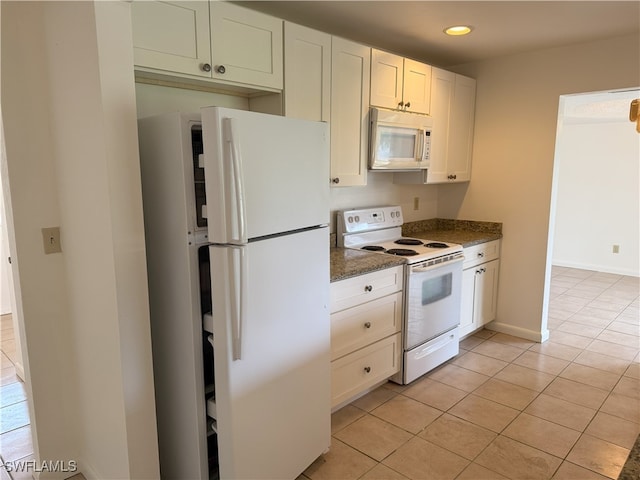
417, 86
246, 46
441, 96
486, 293
461, 128
350, 73
171, 36
307, 73
387, 73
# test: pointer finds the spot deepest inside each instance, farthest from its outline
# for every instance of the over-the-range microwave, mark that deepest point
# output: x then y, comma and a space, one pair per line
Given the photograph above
399, 141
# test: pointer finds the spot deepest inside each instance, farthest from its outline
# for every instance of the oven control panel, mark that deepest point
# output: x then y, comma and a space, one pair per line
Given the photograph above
368, 219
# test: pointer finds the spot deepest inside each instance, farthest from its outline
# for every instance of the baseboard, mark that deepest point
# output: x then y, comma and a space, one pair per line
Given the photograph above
597, 268
533, 335
20, 371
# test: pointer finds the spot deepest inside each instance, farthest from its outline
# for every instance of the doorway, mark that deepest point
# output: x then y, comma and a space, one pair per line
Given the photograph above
595, 214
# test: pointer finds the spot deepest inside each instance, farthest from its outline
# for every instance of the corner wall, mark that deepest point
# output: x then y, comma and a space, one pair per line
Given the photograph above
513, 155
72, 157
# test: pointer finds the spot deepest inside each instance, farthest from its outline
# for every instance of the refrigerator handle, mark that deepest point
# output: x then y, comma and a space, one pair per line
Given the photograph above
238, 299
229, 126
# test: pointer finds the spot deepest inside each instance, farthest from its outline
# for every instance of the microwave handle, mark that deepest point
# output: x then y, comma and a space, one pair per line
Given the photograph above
420, 140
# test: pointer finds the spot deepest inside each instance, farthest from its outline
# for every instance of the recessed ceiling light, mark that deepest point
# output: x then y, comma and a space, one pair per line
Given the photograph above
458, 30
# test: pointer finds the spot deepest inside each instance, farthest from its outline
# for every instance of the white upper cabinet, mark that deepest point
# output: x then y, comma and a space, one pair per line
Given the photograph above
172, 36
307, 73
453, 111
350, 76
208, 40
246, 46
400, 83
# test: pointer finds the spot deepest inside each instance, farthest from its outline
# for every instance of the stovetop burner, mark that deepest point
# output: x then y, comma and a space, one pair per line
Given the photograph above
408, 241
404, 252
373, 248
436, 245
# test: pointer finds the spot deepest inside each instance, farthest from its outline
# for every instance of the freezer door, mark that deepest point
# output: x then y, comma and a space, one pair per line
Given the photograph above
271, 354
265, 174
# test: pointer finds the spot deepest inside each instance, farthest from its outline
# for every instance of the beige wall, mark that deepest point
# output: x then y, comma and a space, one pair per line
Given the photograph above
513, 157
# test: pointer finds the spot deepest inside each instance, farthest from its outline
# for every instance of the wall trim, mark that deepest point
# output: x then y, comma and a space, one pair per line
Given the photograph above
533, 335
597, 268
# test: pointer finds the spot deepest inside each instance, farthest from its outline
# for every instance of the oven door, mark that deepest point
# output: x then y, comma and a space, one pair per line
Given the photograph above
433, 301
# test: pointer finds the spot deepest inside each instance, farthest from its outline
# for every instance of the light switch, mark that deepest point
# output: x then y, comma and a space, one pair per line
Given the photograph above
51, 240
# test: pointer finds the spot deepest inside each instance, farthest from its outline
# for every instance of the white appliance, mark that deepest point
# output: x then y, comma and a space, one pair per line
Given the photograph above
236, 218
433, 280
399, 141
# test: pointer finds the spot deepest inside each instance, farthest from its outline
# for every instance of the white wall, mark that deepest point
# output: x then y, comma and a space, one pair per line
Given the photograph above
41, 290
380, 190
514, 141
69, 110
597, 175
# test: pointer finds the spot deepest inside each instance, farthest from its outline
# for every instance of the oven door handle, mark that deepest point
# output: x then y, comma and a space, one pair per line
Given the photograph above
436, 346
437, 265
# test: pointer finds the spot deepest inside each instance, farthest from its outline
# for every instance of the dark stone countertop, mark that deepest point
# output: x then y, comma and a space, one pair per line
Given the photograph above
347, 262
631, 468
463, 232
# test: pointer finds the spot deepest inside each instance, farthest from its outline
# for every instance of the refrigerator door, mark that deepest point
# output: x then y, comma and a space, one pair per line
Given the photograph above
271, 354
265, 174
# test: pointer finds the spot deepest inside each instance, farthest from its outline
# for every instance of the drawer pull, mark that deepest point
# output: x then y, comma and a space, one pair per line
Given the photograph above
480, 254
367, 325
367, 369
368, 288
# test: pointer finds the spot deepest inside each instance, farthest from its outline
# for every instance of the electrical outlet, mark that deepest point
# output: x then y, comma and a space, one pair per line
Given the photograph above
616, 249
416, 203
51, 240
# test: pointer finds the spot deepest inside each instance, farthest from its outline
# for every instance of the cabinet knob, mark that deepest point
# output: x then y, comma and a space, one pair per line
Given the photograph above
206, 67
368, 288
479, 271
335, 180
480, 254
401, 104
367, 325
220, 69
407, 105
367, 369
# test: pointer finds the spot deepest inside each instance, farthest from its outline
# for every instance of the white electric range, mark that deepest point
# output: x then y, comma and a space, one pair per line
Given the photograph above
433, 284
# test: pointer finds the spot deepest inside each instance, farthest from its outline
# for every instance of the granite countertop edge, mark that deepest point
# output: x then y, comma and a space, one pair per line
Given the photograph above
347, 263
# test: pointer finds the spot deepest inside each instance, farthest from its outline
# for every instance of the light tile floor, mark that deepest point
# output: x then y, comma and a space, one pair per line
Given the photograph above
15, 429
503, 408
508, 408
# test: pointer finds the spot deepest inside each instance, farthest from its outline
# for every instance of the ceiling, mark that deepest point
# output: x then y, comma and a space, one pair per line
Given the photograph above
414, 28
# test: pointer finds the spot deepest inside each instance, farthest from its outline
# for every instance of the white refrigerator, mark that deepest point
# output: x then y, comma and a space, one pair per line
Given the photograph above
243, 243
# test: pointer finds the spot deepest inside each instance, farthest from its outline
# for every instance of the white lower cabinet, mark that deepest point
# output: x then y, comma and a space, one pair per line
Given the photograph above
479, 286
366, 320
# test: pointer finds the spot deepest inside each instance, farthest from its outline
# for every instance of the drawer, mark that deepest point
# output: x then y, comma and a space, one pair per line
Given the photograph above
364, 324
364, 288
354, 373
481, 253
